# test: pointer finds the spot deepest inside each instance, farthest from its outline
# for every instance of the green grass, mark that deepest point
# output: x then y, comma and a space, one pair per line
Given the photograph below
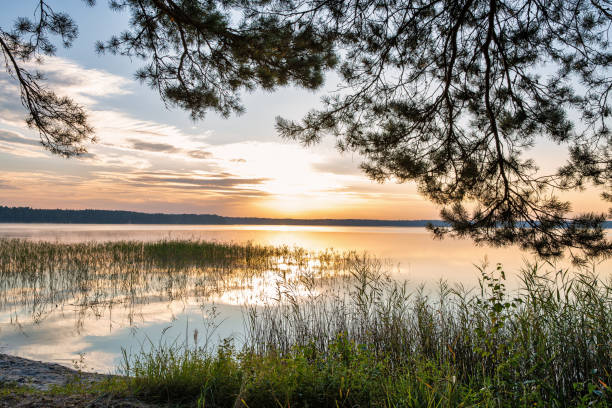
380, 345
339, 332
104, 394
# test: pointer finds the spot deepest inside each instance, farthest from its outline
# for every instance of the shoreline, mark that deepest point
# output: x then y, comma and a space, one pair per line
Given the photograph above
41, 375
27, 383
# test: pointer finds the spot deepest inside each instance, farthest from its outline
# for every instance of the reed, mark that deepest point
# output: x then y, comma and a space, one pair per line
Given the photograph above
44, 276
369, 341
338, 331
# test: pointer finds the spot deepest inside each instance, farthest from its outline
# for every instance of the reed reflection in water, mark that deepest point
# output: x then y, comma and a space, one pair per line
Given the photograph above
58, 299
420, 257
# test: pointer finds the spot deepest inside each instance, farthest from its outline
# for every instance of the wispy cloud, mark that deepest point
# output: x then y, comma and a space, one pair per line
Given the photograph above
141, 145
5, 184
85, 85
18, 145
152, 147
16, 138
338, 165
215, 182
200, 154
123, 132
11, 111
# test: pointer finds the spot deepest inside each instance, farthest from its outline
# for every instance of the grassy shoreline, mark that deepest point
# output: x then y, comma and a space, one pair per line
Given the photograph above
547, 344
351, 338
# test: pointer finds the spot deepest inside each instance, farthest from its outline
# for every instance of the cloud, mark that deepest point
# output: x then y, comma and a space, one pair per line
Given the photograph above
85, 85
141, 145
18, 145
202, 182
87, 156
338, 165
140, 191
116, 130
200, 154
5, 185
11, 111
14, 137
153, 147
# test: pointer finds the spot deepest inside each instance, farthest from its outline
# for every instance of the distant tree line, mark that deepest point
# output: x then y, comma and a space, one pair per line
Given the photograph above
32, 215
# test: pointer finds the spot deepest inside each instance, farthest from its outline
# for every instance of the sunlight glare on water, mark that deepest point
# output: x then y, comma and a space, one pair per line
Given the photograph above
62, 331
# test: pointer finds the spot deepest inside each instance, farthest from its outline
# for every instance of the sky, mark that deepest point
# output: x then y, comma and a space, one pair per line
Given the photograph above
154, 159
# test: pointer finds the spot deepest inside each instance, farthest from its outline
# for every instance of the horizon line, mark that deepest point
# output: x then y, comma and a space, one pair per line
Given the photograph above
186, 214
96, 216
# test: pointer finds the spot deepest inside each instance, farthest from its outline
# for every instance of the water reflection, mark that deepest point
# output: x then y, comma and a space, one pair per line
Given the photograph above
57, 298
418, 256
97, 294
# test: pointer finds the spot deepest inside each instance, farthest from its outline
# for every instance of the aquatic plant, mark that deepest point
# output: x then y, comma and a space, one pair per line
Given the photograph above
372, 342
43, 277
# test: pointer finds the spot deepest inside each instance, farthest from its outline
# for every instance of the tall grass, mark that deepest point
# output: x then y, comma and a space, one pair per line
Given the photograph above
40, 276
371, 342
338, 331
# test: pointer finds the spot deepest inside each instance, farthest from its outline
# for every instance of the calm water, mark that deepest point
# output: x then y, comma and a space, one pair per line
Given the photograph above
68, 330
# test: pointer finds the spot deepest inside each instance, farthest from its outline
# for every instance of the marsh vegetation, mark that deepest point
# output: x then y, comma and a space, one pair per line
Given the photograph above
378, 344
334, 329
37, 278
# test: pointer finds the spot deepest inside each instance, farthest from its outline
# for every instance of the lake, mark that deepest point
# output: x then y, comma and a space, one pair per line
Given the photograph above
93, 333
